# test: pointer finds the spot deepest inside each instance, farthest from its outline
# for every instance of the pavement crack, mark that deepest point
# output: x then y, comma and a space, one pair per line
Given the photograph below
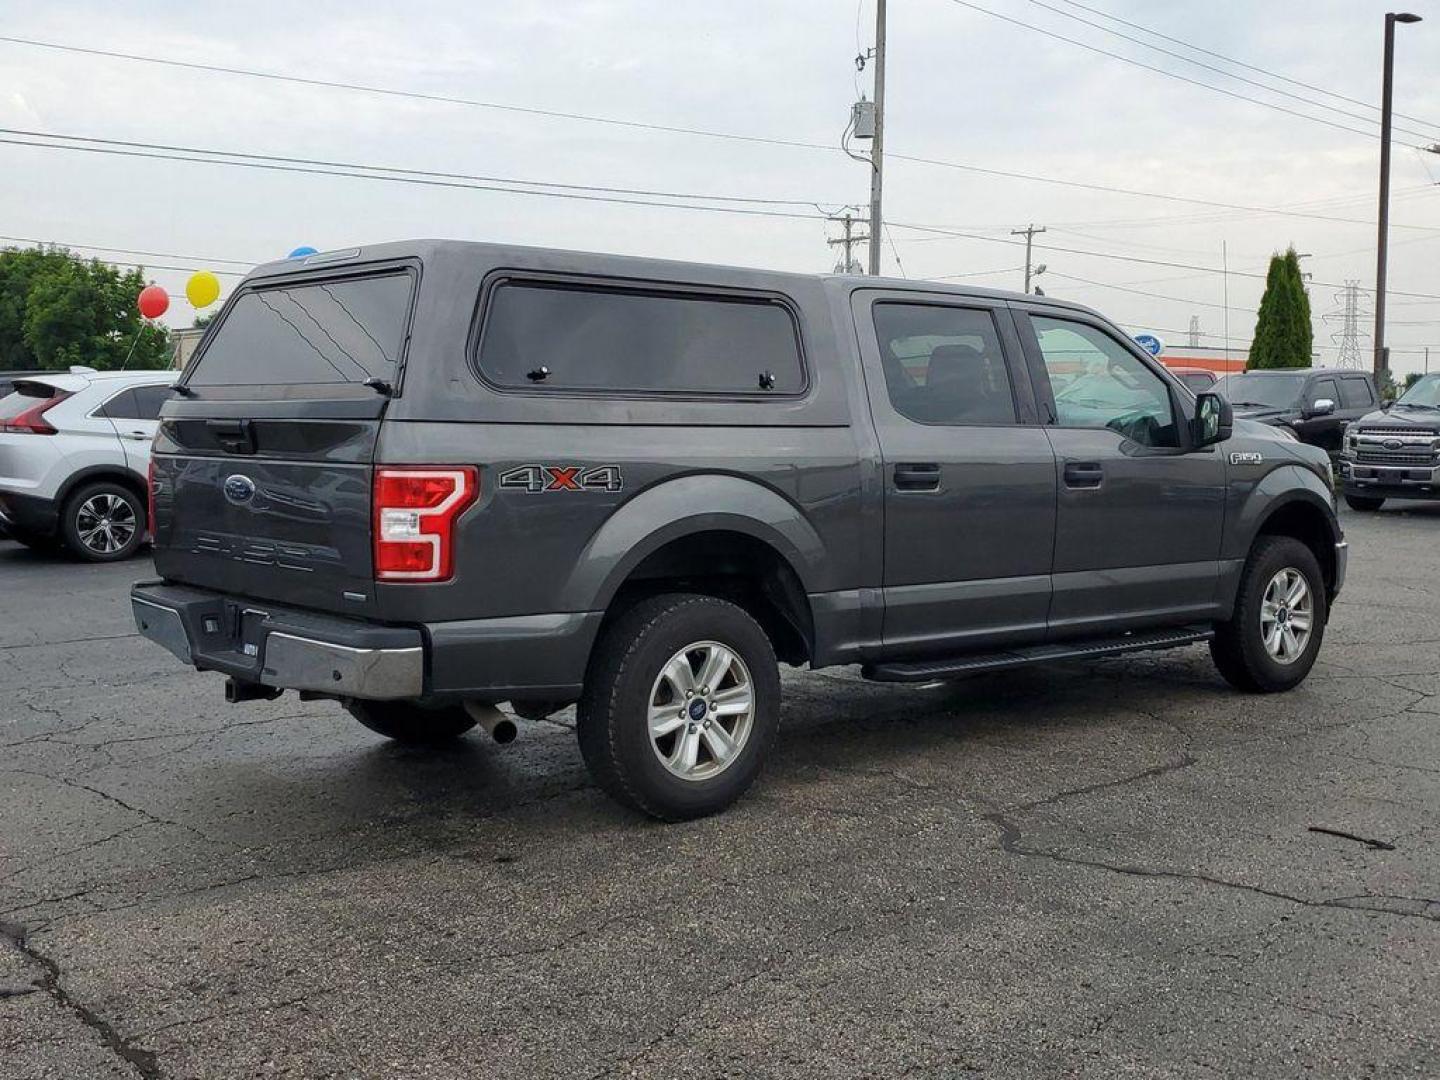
1378, 845
143, 1062
1106, 785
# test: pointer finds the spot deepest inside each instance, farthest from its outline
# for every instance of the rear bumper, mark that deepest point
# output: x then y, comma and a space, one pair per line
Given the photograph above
28, 514
515, 658
280, 647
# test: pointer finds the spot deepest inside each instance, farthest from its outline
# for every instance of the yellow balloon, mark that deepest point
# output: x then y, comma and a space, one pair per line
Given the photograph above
203, 288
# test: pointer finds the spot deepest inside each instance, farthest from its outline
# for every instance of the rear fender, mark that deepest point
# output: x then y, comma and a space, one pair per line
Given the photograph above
668, 512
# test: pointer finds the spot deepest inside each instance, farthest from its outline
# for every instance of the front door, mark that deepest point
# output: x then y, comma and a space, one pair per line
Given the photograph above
969, 476
1140, 514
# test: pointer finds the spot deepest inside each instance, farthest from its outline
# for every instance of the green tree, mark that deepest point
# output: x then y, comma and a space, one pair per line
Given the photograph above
1411, 379
1284, 336
57, 309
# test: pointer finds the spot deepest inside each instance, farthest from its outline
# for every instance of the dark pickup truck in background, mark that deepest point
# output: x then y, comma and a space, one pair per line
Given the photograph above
1313, 404
423, 479
1395, 453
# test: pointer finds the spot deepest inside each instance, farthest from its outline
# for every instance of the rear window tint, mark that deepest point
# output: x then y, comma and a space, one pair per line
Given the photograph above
343, 331
565, 337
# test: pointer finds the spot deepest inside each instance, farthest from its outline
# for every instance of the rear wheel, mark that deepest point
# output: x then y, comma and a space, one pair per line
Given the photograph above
1363, 503
406, 722
681, 706
103, 522
1271, 641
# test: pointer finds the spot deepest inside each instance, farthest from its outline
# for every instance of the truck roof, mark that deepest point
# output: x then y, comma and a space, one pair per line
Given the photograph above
630, 265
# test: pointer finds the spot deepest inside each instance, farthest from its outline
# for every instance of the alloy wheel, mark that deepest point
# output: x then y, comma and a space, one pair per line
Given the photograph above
701, 710
1287, 616
106, 523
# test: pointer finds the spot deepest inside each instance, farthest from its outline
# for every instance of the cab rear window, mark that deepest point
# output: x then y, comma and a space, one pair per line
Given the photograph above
336, 331
549, 336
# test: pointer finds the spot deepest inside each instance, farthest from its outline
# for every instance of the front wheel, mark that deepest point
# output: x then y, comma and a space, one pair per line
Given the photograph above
681, 705
1273, 637
408, 723
1363, 503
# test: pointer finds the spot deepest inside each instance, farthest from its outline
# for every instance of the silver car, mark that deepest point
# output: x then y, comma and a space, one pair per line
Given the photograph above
74, 457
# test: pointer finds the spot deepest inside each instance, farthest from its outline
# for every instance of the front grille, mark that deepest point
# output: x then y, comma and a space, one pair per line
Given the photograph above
1417, 432
1408, 456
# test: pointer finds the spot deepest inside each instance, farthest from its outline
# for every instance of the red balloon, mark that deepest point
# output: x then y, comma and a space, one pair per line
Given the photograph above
154, 301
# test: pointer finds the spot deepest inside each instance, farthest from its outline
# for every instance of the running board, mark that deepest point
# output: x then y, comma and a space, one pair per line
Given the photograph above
974, 663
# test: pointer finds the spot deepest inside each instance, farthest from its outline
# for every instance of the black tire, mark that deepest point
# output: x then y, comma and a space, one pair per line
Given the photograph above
1366, 504
117, 512
1238, 647
415, 725
612, 717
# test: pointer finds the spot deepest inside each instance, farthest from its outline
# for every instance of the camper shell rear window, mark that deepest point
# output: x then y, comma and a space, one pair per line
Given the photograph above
310, 332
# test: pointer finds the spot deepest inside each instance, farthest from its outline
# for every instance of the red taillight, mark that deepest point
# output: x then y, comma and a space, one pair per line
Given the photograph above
415, 512
32, 420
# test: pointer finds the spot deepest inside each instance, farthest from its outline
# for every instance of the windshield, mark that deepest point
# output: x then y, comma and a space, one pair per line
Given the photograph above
1273, 391
1426, 392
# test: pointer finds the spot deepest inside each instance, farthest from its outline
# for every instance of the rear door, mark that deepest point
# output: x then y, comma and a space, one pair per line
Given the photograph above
134, 413
263, 464
969, 478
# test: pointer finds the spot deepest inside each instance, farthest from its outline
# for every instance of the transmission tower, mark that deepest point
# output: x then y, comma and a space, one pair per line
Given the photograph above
1350, 310
1194, 331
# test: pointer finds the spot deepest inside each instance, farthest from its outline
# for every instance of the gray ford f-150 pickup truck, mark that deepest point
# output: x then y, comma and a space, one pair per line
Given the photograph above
422, 479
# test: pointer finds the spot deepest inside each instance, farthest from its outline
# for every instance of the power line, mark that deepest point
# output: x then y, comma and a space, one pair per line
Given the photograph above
398, 170
275, 166
1221, 71
198, 259
1232, 60
1168, 74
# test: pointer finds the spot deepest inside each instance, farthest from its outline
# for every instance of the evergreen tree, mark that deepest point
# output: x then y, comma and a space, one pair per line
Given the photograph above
1284, 337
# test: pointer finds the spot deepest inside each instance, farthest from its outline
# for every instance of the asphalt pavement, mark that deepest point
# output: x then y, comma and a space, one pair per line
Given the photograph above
1107, 869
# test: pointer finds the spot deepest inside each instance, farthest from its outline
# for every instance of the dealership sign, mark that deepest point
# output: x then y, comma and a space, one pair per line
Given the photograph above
1150, 343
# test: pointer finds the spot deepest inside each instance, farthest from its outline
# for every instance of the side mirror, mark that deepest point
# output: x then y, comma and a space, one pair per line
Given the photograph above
1323, 407
1214, 419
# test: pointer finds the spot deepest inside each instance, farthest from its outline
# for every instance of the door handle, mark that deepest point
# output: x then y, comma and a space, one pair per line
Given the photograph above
917, 476
1083, 474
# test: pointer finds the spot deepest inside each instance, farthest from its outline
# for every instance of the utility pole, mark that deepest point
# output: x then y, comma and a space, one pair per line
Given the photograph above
1194, 331
1386, 95
877, 160
848, 264
1029, 233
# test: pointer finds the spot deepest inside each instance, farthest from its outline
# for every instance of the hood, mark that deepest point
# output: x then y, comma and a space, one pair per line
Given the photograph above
1254, 428
1262, 412
1401, 416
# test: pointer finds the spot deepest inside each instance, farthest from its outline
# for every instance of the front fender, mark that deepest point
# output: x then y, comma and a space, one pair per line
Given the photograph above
1285, 484
669, 511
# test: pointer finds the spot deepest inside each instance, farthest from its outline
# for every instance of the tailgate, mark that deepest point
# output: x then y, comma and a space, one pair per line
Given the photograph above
262, 469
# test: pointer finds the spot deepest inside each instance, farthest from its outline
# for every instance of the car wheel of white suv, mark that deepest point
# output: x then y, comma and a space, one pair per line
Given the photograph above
103, 522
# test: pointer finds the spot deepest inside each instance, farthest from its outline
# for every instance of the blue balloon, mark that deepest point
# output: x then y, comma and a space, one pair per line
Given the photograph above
301, 252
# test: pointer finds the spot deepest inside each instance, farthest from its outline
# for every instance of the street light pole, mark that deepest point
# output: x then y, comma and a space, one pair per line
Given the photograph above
877, 161
1383, 242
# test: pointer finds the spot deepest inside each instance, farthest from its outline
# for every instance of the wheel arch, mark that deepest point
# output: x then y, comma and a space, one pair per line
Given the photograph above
748, 545
1311, 520
120, 474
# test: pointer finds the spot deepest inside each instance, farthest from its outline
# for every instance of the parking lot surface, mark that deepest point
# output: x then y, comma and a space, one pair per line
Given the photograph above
1103, 870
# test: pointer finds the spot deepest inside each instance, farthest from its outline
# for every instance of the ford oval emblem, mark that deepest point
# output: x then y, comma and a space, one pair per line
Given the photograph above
1393, 444
239, 489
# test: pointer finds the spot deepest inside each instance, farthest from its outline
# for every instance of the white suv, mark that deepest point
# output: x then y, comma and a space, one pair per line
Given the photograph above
75, 456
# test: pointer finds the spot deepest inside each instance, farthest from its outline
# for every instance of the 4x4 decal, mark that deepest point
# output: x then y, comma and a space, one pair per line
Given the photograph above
541, 479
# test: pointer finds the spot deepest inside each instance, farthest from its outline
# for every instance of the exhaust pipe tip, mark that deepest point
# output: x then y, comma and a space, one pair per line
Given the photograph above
497, 725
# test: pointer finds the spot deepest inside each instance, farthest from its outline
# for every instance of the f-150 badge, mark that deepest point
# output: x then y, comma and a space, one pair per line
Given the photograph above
1246, 458
542, 479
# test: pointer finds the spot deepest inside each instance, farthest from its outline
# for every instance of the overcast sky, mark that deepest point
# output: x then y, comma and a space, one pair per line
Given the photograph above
964, 87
